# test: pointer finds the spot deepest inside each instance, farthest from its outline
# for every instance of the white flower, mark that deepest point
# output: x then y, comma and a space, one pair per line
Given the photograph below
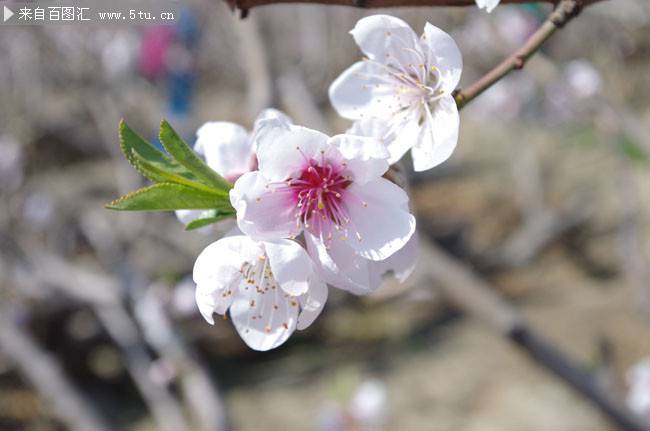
229, 150
488, 5
329, 188
408, 82
269, 288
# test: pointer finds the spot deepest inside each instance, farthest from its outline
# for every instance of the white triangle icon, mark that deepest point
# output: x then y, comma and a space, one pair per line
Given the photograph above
7, 13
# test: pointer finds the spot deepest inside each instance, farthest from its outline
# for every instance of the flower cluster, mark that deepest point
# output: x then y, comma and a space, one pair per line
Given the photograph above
314, 210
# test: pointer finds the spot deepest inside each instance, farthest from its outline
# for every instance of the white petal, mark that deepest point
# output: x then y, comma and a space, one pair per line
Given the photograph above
227, 147
312, 303
275, 115
443, 53
290, 264
269, 118
261, 213
341, 267
217, 273
379, 215
488, 5
404, 133
283, 151
370, 127
264, 321
365, 90
398, 135
388, 40
366, 158
186, 216
438, 135
402, 263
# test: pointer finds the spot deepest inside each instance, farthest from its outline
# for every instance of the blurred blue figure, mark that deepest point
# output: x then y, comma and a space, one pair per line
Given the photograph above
172, 59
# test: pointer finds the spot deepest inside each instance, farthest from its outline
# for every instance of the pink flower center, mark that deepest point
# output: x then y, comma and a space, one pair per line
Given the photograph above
321, 199
318, 194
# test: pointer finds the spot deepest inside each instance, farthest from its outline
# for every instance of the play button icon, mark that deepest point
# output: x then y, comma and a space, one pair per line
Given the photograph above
7, 13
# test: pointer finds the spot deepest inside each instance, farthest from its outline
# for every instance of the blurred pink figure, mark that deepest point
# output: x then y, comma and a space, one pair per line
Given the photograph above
153, 51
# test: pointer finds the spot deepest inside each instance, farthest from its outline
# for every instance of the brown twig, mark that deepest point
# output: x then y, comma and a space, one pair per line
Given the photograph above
475, 296
564, 11
245, 5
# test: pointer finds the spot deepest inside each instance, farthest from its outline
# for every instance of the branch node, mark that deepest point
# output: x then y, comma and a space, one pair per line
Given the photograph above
243, 13
519, 62
565, 11
360, 3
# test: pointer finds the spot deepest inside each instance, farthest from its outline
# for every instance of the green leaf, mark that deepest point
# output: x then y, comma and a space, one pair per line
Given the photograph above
184, 155
131, 141
170, 197
154, 169
208, 218
631, 149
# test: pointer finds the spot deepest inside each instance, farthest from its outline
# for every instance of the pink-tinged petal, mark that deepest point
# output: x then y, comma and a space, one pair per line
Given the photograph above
283, 151
312, 303
366, 158
444, 55
380, 221
227, 147
438, 135
290, 264
341, 267
388, 40
262, 213
366, 90
264, 321
488, 5
217, 273
402, 263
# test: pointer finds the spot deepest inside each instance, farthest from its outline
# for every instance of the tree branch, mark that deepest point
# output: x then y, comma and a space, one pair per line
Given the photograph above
564, 11
245, 5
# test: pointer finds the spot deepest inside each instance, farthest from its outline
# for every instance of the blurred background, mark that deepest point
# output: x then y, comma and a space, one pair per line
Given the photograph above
547, 197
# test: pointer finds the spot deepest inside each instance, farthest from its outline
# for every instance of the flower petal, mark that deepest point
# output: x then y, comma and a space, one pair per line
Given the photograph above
282, 151
264, 321
227, 147
405, 132
397, 135
186, 216
217, 273
341, 267
290, 264
402, 263
379, 215
443, 54
389, 40
366, 158
488, 5
365, 90
438, 135
312, 303
266, 118
261, 213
